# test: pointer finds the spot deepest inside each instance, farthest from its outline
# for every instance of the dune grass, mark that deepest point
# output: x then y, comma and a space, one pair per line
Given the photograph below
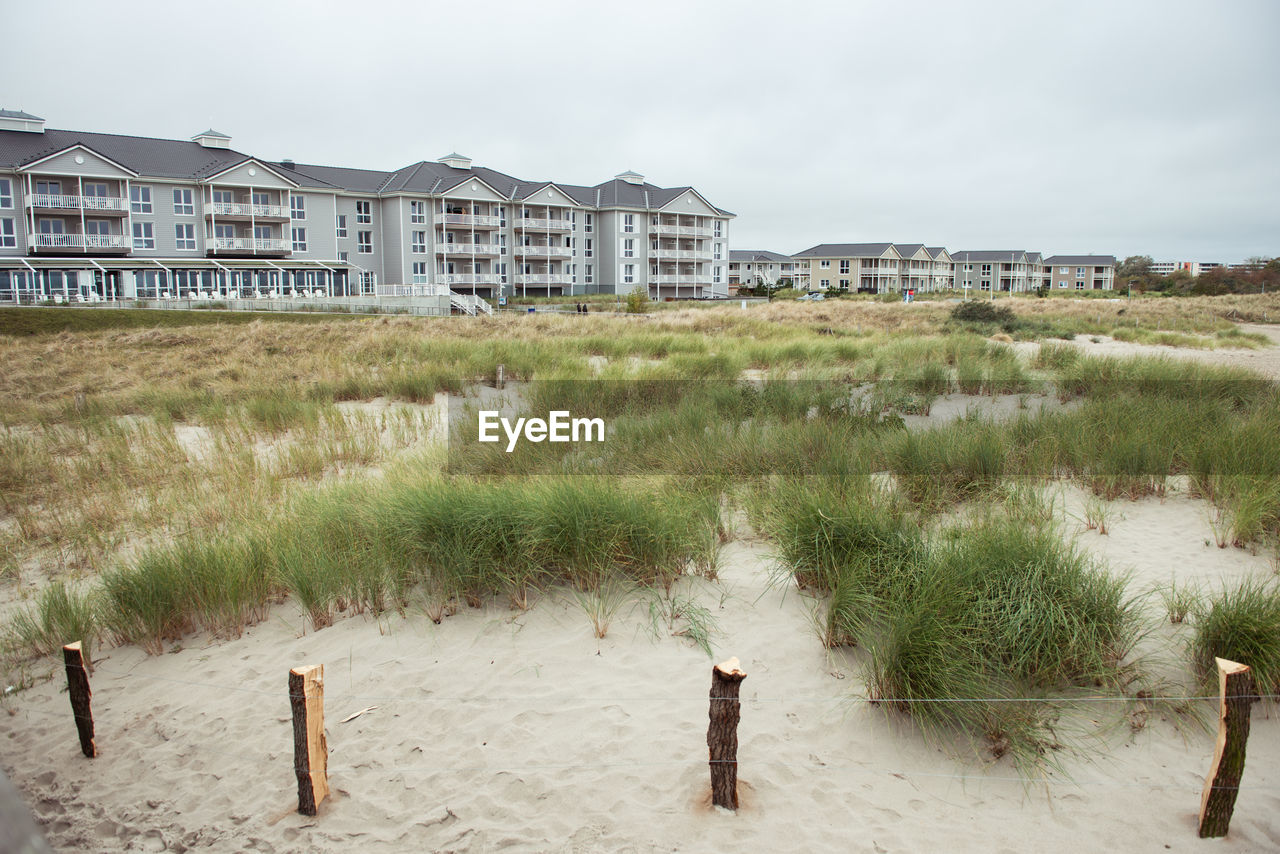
1240, 624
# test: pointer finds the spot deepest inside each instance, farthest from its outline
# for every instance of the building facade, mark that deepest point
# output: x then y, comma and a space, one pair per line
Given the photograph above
751, 268
1080, 272
1001, 270
89, 216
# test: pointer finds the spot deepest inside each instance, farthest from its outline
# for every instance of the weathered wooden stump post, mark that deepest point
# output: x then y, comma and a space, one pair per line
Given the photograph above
501, 379
310, 751
1235, 683
722, 733
78, 689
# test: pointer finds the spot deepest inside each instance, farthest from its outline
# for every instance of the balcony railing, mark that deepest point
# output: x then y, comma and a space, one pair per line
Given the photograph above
79, 241
679, 230
469, 219
467, 279
249, 210
543, 279
544, 224
249, 244
89, 203
679, 280
545, 251
467, 249
682, 254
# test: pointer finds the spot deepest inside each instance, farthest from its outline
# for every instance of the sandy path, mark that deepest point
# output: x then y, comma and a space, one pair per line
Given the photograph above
521, 731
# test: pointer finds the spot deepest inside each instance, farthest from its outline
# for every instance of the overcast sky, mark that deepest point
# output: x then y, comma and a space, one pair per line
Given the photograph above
1120, 127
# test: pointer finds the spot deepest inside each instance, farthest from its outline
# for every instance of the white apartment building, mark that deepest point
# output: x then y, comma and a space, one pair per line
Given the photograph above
92, 216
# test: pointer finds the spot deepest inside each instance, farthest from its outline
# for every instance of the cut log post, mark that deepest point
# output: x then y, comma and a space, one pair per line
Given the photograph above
78, 688
722, 733
310, 751
501, 379
1235, 683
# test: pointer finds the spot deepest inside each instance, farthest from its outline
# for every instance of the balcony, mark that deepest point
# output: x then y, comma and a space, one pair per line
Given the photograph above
545, 251
244, 210
544, 224
467, 249
80, 242
253, 245
97, 204
680, 280
469, 220
543, 279
467, 279
681, 254
679, 230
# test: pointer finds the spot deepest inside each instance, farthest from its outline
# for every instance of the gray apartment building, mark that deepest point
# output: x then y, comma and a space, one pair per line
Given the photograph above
90, 216
749, 268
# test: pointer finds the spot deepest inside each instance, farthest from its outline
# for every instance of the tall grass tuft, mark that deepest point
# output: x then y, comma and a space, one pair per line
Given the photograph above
61, 615
1240, 624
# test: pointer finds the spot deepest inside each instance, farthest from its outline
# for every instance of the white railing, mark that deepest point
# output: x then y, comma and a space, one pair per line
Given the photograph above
93, 203
249, 244
467, 248
679, 280
469, 219
250, 210
688, 254
545, 224
415, 290
469, 303
79, 241
543, 279
680, 230
469, 278
545, 251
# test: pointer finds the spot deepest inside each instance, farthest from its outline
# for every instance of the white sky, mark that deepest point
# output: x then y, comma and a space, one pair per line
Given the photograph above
1118, 127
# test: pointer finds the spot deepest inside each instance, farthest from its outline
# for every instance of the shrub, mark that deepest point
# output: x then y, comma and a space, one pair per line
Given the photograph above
638, 301
982, 311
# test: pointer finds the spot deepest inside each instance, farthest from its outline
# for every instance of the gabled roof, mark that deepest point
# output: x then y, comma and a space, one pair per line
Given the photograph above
213, 133
223, 168
18, 114
846, 250
754, 255
1006, 256
1082, 260
155, 158
334, 177
82, 147
937, 251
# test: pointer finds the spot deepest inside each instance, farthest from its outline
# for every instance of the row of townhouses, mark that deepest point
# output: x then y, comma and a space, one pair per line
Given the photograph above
897, 267
94, 216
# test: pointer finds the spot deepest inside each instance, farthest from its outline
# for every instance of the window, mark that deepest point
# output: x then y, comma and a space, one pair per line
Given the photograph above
140, 199
1062, 271
628, 273
844, 284
297, 207
1062, 284
8, 237
501, 270
417, 212
826, 265
719, 252
502, 244
144, 235
342, 256
590, 271
342, 225
364, 214
222, 197
224, 232
419, 272
419, 242
589, 251
183, 204
502, 216
986, 284
299, 239
629, 223
844, 267
1080, 285
719, 228
986, 269
716, 274
1079, 272
589, 225
824, 283
49, 188
6, 193
629, 248
364, 240
184, 235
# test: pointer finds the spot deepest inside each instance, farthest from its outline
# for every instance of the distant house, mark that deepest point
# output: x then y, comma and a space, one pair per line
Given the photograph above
1080, 272
1003, 270
750, 268
874, 268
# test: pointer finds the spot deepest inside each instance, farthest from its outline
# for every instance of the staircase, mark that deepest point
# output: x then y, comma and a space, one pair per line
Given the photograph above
469, 303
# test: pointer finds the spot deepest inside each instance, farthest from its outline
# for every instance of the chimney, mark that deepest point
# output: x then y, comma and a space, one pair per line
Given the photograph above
288, 163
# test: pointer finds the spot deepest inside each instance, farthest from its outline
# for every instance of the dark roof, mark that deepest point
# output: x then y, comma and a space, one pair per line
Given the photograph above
906, 250
749, 255
845, 250
18, 114
214, 133
935, 251
1082, 260
1010, 256
157, 158
186, 159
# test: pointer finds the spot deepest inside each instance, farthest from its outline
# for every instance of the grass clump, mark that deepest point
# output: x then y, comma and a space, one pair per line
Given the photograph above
1241, 624
61, 615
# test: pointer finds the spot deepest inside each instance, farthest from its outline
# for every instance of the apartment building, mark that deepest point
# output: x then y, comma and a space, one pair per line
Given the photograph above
93, 216
1002, 270
750, 268
1080, 272
1195, 268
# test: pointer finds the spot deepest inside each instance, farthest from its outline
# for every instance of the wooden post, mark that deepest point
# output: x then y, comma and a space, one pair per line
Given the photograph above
722, 733
501, 378
310, 751
1235, 683
78, 688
